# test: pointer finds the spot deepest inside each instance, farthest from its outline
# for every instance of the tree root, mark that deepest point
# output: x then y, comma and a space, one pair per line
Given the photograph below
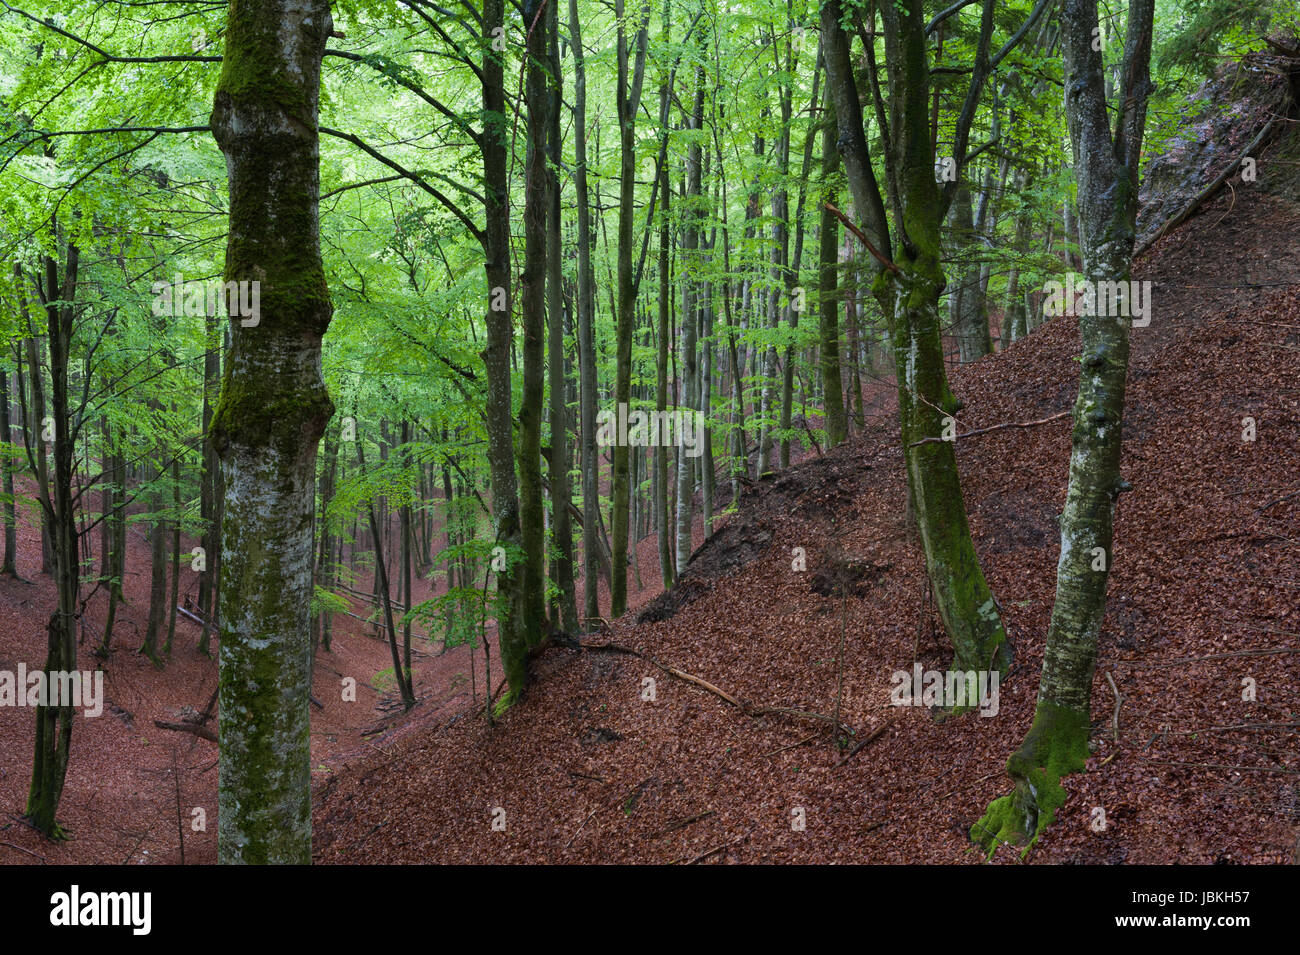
1057, 745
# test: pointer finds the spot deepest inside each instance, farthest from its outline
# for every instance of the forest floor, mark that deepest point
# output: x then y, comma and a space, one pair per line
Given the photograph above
1203, 595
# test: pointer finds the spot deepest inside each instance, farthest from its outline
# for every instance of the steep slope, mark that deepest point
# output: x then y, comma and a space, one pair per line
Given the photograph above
1203, 596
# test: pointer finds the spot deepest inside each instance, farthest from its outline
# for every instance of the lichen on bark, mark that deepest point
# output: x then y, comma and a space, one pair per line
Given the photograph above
267, 425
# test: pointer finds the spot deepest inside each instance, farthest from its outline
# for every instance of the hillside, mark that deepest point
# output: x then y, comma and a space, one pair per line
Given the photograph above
1203, 594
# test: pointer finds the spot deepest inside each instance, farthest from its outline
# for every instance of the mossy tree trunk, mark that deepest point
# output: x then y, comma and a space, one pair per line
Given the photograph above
908, 283
1106, 168
586, 339
532, 296
269, 419
494, 145
561, 484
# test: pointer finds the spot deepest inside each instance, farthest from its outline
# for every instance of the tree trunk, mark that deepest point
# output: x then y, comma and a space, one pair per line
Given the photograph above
272, 411
561, 487
1106, 167
533, 311
496, 359
586, 338
828, 302
628, 95
689, 400
9, 566
54, 723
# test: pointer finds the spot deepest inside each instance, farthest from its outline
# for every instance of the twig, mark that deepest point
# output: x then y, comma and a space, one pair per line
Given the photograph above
1119, 701
996, 772
28, 851
580, 828
854, 751
807, 739
1235, 769
703, 684
712, 852
1212, 656
683, 823
201, 731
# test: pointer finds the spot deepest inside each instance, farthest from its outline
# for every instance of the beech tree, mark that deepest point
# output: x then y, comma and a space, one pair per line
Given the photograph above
1106, 161
269, 419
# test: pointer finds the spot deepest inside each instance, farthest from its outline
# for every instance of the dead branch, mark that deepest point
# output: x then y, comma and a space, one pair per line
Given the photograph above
996, 427
863, 239
197, 729
1119, 701
1185, 213
683, 823
703, 684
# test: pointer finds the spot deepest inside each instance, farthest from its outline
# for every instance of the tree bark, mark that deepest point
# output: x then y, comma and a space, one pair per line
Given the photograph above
271, 414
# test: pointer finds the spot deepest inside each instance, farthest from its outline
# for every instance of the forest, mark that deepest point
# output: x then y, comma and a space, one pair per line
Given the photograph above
651, 431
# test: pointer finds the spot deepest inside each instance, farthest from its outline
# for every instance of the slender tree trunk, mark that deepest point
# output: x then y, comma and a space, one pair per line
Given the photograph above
533, 310
828, 303
1106, 167
561, 487
9, 566
53, 737
176, 557
586, 337
628, 94
689, 398
666, 569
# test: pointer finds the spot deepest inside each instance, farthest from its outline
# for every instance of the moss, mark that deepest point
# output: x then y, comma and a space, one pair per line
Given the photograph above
1057, 745
508, 699
252, 66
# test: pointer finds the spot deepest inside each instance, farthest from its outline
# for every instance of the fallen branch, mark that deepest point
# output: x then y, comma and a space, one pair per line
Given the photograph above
1235, 769
581, 827
703, 684
1119, 701
683, 823
1213, 656
712, 852
196, 618
1185, 213
28, 851
195, 728
996, 427
807, 739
